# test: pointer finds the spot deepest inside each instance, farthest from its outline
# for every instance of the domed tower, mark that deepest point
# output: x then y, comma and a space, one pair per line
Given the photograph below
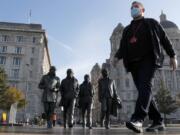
166, 23
171, 79
124, 83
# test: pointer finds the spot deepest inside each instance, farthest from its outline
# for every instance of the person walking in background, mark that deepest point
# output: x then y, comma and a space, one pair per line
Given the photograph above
50, 83
141, 50
86, 101
69, 92
54, 118
106, 93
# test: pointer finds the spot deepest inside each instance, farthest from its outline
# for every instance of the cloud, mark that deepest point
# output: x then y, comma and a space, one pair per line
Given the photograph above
65, 46
90, 45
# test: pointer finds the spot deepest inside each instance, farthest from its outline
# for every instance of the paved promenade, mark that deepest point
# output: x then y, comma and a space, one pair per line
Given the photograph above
79, 131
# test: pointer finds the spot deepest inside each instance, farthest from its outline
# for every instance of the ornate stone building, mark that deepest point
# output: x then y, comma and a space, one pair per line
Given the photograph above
125, 86
95, 75
25, 57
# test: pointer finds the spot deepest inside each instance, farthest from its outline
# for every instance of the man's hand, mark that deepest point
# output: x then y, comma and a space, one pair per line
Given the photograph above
115, 61
173, 63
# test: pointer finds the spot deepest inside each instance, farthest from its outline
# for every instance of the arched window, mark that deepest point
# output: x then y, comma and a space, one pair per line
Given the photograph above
127, 83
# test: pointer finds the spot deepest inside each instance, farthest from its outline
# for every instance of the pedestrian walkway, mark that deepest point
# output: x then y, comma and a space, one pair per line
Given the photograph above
79, 131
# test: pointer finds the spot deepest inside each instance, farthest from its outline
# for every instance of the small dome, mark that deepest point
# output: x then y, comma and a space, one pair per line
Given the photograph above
168, 24
118, 28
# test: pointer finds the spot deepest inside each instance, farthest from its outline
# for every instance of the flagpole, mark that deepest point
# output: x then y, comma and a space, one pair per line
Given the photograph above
29, 16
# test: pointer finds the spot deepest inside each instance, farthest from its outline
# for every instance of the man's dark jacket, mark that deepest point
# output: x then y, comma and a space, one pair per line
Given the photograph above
116, 101
86, 93
69, 88
50, 85
159, 39
111, 87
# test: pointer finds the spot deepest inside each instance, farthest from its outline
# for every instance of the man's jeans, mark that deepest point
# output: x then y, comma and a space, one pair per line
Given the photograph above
49, 110
105, 111
69, 106
87, 108
145, 104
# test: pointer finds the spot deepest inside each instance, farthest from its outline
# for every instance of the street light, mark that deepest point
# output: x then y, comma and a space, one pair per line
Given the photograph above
26, 81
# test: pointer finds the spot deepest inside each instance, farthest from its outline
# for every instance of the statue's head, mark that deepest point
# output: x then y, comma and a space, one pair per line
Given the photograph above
87, 78
70, 73
52, 70
104, 73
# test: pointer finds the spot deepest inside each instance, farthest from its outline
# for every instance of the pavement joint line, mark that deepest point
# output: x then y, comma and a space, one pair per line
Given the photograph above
80, 131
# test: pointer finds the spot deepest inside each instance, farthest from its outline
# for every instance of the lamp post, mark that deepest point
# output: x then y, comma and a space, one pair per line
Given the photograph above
26, 92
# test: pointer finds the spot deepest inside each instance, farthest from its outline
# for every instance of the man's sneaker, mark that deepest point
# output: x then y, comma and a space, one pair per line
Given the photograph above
65, 125
156, 127
102, 124
136, 126
107, 127
70, 125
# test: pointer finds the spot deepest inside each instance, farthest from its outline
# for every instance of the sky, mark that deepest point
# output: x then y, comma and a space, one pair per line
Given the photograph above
79, 30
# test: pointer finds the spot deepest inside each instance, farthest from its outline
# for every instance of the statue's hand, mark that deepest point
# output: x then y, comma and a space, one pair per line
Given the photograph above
173, 63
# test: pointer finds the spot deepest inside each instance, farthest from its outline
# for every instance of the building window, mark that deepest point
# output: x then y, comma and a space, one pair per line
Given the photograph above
128, 96
32, 61
169, 84
29, 86
5, 38
13, 84
128, 109
177, 40
3, 49
19, 38
30, 74
18, 50
16, 61
15, 73
32, 50
127, 83
2, 60
34, 39
178, 78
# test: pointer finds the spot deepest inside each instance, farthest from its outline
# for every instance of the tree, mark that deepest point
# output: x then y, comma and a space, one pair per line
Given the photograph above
11, 96
3, 85
178, 99
3, 80
166, 103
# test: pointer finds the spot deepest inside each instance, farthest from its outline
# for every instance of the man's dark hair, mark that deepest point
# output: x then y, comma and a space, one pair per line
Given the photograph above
86, 75
137, 2
69, 70
53, 68
104, 70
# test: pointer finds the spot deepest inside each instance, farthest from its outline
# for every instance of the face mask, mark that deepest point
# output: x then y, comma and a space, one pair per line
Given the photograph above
135, 12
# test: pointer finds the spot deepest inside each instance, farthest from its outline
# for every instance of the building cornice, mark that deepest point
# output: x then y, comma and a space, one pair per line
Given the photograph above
22, 30
47, 49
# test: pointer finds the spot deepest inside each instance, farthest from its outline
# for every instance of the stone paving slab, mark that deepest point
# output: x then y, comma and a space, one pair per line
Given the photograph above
79, 131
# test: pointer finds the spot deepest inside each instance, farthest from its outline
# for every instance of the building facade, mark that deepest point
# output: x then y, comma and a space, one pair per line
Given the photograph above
25, 57
125, 85
95, 76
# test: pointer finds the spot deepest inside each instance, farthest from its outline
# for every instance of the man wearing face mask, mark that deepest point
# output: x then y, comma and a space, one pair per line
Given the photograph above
50, 83
141, 50
106, 92
69, 91
86, 94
